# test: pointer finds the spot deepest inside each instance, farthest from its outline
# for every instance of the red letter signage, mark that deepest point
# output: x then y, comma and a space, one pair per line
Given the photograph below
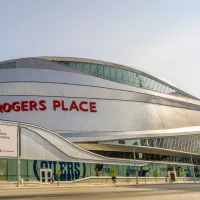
57, 105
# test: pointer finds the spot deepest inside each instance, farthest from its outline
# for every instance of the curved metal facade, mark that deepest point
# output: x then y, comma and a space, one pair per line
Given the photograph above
107, 110
122, 106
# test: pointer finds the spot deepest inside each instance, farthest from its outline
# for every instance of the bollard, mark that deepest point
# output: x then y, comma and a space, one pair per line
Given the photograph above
21, 181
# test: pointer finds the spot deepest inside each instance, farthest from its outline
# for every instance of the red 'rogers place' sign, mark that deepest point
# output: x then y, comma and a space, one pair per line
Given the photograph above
32, 105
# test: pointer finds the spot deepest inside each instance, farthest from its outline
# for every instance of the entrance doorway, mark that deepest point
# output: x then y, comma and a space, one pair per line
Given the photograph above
45, 175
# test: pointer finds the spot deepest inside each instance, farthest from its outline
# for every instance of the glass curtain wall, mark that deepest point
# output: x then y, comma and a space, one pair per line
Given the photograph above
69, 171
122, 76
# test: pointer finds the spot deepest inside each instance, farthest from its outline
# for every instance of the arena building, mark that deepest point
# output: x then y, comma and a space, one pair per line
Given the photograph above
86, 117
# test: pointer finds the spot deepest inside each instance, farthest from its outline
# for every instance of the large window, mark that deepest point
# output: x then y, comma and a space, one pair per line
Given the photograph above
3, 170
122, 76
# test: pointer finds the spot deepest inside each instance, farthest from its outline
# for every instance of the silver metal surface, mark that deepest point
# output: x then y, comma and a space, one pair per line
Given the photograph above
123, 112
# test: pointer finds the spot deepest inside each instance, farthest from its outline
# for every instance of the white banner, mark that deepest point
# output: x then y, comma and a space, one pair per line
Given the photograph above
8, 141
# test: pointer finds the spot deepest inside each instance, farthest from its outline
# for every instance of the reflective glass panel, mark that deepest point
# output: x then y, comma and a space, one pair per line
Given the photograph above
119, 73
125, 75
151, 84
113, 72
99, 70
159, 87
87, 68
130, 77
147, 83
93, 69
106, 71
155, 86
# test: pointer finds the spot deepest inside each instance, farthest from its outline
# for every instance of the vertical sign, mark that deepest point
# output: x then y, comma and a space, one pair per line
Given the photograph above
172, 176
8, 141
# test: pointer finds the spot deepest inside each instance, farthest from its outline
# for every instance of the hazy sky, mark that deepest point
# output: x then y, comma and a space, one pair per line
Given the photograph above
160, 36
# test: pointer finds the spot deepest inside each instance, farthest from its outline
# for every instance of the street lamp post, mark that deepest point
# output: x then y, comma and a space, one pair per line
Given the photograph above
18, 156
136, 171
193, 169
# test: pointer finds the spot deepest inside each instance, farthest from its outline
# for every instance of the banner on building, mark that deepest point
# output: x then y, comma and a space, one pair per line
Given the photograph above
8, 141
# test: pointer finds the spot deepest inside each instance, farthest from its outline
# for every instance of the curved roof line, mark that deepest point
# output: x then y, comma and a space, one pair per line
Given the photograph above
78, 153
57, 58
120, 66
125, 67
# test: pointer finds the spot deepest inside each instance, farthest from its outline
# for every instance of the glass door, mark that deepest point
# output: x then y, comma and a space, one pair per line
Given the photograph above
45, 175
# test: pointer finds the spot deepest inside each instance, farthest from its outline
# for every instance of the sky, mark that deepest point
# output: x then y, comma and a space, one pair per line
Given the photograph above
161, 37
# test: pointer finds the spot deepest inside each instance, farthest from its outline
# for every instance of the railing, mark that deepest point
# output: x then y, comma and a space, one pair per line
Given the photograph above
93, 180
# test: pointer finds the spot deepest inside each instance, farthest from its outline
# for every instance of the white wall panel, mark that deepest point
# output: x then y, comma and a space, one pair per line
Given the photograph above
24, 149
24, 137
71, 150
116, 110
42, 75
49, 151
111, 115
64, 90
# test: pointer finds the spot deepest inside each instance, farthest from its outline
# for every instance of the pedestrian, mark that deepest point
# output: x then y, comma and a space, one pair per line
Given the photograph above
114, 179
52, 179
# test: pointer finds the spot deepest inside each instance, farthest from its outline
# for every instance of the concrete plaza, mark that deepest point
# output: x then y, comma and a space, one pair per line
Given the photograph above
145, 192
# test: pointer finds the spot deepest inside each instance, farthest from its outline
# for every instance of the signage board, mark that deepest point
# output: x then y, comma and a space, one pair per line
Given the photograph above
8, 141
172, 176
32, 105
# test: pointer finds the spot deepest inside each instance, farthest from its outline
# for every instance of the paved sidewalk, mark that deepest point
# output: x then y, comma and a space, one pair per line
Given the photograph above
128, 192
76, 185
